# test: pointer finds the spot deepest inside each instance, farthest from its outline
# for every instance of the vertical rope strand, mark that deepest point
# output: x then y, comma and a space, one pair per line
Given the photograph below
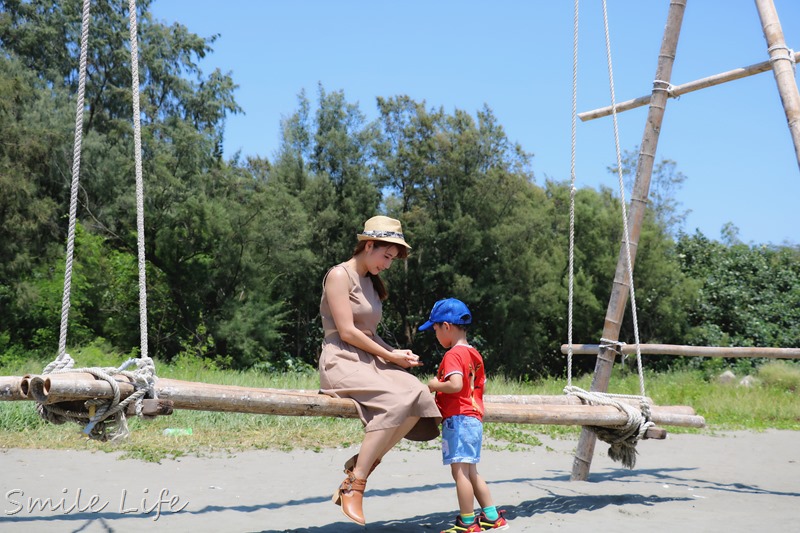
76, 171
137, 140
626, 233
572, 191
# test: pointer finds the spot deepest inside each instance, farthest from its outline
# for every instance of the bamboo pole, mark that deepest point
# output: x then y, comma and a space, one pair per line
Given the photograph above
566, 399
554, 399
691, 351
547, 399
81, 386
783, 67
69, 387
11, 388
644, 169
685, 88
25, 385
583, 415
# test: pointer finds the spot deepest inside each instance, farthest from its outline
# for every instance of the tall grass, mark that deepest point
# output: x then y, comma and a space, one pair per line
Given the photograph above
773, 402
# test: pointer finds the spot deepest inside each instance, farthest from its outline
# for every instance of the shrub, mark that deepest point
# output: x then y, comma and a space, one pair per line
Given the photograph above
781, 374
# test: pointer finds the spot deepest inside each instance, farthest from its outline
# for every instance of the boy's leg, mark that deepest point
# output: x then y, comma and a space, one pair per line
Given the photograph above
480, 488
464, 491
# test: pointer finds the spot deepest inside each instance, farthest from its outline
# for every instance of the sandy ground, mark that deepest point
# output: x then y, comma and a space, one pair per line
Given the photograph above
731, 482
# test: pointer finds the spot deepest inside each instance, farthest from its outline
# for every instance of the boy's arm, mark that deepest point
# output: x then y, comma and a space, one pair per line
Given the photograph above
453, 384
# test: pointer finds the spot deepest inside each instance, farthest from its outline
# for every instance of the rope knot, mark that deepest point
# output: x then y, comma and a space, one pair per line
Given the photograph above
622, 438
104, 419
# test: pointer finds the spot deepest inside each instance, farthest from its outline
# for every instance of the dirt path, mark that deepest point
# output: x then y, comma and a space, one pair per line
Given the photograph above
733, 482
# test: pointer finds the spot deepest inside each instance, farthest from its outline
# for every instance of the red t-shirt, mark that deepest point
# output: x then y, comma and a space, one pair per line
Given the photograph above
467, 361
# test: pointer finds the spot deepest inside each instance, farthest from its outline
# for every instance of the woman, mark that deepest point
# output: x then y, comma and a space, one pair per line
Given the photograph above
356, 363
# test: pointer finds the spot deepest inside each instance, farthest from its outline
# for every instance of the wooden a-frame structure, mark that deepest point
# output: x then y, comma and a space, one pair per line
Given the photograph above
782, 64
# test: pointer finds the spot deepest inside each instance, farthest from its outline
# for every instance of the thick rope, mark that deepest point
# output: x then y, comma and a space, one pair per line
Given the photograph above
137, 139
76, 169
621, 182
573, 152
622, 438
104, 419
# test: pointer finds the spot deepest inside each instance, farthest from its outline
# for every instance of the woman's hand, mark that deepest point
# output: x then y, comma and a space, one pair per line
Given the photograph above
405, 358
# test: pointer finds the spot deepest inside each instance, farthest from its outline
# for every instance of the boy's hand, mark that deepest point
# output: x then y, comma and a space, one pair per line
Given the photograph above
453, 384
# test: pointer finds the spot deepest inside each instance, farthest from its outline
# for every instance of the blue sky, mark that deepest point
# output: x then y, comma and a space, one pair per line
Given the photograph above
731, 141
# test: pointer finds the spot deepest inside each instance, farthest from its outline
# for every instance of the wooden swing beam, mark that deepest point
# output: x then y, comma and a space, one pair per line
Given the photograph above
690, 351
57, 389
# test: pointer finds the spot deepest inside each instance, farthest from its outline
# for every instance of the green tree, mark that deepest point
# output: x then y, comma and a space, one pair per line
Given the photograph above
325, 163
665, 181
34, 130
481, 230
192, 205
749, 295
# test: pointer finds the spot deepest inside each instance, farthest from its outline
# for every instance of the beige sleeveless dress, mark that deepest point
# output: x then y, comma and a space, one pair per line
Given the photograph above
385, 394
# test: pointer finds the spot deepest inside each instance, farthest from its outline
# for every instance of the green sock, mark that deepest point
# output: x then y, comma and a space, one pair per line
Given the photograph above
468, 518
491, 513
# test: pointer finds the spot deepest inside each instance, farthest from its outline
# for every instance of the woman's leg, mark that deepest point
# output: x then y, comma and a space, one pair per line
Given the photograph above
377, 443
350, 494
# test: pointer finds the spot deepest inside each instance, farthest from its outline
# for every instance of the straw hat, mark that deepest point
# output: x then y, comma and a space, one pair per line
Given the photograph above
384, 229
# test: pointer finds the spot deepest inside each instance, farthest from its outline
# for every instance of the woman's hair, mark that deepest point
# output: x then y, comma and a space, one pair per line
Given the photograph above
377, 282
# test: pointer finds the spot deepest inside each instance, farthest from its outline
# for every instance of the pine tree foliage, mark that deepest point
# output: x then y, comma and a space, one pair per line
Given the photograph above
237, 248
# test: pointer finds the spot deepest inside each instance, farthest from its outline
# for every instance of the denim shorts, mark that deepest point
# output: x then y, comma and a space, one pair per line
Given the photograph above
461, 440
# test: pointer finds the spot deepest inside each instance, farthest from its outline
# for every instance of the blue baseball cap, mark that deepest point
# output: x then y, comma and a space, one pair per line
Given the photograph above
448, 310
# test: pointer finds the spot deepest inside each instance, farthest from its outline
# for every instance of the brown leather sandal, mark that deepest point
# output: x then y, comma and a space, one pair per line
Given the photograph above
350, 465
350, 495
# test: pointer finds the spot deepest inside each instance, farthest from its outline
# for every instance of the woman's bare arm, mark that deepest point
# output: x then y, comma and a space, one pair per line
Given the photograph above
337, 289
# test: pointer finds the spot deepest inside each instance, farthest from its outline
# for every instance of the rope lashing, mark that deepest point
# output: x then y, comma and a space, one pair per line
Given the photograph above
788, 57
614, 346
665, 86
104, 419
622, 438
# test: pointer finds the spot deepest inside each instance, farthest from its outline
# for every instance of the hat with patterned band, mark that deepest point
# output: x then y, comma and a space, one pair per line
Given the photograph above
384, 229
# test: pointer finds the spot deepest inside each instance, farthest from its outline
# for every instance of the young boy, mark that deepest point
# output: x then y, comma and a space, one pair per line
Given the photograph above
459, 394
